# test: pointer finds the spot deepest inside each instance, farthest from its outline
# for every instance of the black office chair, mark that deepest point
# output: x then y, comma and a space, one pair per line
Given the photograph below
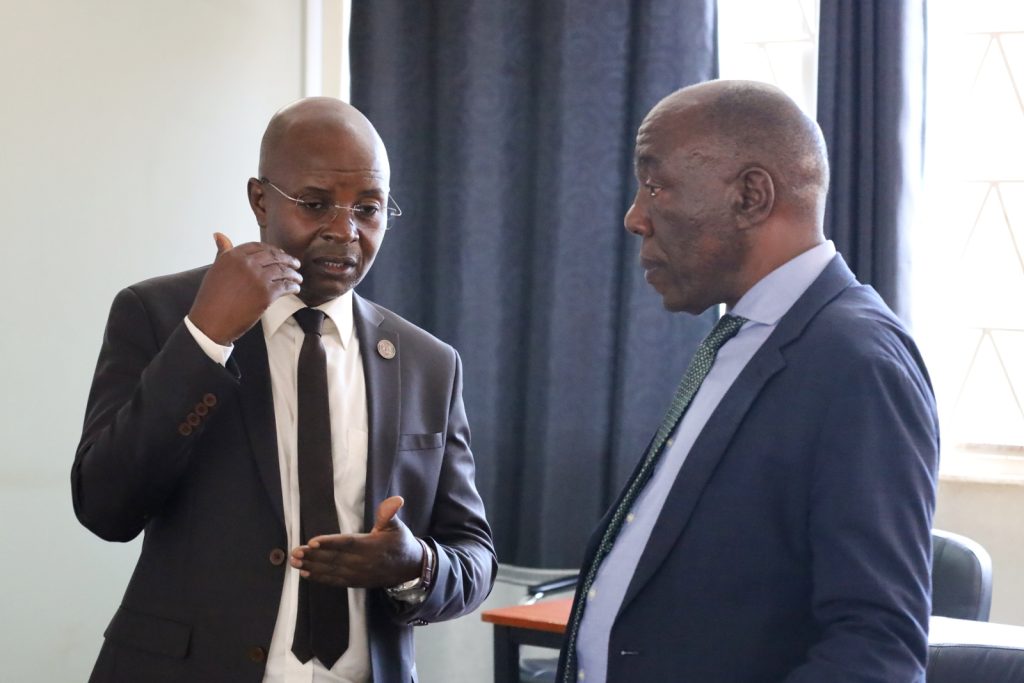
560, 584
961, 577
965, 651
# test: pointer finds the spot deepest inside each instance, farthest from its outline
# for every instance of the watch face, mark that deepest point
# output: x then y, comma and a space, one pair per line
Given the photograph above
412, 592
408, 585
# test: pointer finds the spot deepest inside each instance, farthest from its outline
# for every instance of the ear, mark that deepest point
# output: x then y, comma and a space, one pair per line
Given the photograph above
256, 202
755, 197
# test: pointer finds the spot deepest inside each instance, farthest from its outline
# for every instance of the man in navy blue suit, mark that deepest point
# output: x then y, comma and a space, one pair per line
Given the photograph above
781, 529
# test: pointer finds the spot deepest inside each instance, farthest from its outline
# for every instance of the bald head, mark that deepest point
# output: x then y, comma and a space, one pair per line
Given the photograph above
756, 124
319, 118
732, 184
323, 192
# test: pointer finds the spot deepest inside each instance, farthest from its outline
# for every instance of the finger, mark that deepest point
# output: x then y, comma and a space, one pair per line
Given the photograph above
330, 580
273, 270
281, 271
325, 566
286, 274
386, 512
355, 574
267, 255
287, 259
330, 542
332, 566
278, 255
255, 249
279, 288
222, 241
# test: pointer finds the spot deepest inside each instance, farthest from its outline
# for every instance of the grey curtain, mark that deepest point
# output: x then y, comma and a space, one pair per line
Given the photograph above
510, 128
871, 62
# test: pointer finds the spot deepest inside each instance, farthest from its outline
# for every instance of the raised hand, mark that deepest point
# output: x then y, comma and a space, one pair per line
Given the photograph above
242, 282
386, 556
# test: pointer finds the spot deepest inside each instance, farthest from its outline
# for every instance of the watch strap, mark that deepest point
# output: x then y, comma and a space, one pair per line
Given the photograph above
412, 589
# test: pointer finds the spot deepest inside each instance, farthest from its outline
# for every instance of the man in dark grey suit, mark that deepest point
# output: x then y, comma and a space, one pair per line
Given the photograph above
192, 436
778, 528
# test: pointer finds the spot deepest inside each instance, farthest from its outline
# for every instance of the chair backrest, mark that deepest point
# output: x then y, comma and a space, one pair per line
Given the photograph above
961, 577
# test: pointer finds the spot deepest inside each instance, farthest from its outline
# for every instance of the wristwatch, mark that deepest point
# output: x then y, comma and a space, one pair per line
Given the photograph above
414, 591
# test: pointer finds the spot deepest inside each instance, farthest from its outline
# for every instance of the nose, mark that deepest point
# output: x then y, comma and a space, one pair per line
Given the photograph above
340, 228
637, 220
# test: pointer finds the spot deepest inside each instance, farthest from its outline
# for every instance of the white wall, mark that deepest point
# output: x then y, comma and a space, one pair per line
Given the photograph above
128, 129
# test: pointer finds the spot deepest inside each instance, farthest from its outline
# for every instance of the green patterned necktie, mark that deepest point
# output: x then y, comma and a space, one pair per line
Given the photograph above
700, 365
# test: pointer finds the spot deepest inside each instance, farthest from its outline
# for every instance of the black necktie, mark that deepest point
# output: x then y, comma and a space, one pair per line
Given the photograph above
321, 627
700, 365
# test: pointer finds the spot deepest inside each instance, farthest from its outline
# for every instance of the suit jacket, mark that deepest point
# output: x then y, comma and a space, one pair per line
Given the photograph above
185, 450
795, 542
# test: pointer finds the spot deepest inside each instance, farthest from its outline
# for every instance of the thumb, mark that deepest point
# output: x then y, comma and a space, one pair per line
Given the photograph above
222, 242
386, 512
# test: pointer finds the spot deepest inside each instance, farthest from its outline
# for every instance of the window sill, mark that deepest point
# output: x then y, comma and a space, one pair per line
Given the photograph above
982, 468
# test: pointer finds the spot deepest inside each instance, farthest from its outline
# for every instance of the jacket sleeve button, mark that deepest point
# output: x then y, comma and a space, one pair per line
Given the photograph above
210, 400
185, 429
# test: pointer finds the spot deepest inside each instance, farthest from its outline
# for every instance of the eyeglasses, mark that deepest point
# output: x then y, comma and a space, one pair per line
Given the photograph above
368, 214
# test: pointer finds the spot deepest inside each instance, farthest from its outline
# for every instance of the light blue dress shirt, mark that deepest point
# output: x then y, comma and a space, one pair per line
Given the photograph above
763, 306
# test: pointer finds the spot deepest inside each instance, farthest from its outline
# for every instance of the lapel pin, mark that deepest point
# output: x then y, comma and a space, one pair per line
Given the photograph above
386, 349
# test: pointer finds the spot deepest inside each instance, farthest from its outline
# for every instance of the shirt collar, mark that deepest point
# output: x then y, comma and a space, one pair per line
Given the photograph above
774, 294
338, 311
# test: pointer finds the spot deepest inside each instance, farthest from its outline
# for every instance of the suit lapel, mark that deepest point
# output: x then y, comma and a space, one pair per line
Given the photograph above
714, 439
257, 401
700, 464
383, 404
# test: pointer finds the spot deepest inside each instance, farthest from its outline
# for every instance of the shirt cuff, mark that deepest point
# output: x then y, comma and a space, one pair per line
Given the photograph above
216, 352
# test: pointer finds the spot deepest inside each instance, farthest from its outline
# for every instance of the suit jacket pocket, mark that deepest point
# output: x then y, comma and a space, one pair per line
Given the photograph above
149, 633
420, 442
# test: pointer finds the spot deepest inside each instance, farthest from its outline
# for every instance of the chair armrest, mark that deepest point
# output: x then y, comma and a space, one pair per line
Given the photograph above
562, 583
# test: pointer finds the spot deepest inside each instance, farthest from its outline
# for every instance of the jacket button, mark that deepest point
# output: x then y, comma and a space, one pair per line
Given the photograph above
185, 429
201, 409
210, 400
277, 557
257, 654
193, 419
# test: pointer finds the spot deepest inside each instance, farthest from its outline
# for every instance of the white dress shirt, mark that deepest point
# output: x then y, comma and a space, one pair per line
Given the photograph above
763, 306
349, 429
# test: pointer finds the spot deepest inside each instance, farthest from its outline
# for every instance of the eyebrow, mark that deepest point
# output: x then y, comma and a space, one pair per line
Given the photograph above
366, 192
646, 162
374, 192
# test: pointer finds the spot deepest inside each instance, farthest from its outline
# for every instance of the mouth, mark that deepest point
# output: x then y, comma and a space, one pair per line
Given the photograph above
651, 268
341, 264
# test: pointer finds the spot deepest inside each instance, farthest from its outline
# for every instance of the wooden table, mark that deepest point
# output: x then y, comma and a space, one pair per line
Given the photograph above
542, 624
